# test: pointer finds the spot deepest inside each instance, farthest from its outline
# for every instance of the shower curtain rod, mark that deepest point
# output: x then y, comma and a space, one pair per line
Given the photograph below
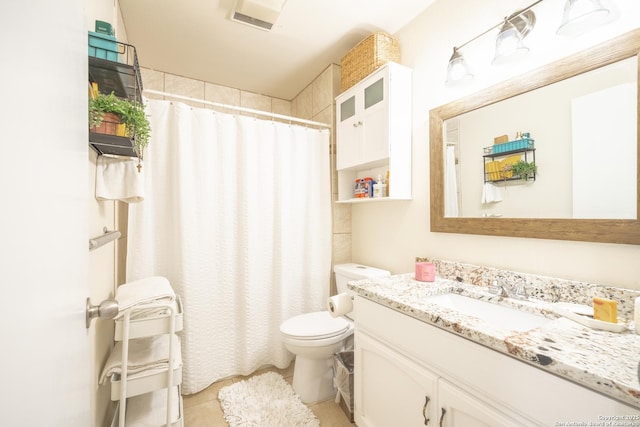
244, 110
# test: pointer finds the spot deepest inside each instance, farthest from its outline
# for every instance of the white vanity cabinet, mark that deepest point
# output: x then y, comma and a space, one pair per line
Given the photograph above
391, 389
402, 363
374, 131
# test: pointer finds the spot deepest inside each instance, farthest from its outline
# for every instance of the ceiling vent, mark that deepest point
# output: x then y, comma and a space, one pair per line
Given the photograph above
261, 14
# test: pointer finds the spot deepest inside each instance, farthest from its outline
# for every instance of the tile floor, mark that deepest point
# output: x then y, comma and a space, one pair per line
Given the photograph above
203, 409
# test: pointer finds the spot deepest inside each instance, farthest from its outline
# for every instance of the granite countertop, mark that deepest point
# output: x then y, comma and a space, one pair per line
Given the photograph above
604, 361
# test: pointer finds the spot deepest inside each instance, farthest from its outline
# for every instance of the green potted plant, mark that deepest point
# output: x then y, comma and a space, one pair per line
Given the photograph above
523, 169
106, 111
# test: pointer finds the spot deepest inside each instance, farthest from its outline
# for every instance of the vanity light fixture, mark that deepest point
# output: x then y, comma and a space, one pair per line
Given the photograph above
458, 70
582, 15
509, 44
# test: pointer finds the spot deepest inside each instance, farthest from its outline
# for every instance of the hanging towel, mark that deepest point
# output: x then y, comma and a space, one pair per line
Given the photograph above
146, 356
119, 179
154, 289
491, 193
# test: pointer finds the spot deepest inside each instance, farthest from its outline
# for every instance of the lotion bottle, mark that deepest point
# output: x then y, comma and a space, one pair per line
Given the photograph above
379, 188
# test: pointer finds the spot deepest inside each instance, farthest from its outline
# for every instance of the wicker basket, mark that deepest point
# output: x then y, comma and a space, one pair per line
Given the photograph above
367, 56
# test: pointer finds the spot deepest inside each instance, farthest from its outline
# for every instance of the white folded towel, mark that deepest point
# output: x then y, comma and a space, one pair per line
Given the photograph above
147, 356
491, 193
119, 179
150, 409
155, 289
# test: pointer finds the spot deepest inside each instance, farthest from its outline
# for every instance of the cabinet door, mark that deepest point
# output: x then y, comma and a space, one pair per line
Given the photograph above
390, 389
375, 119
457, 408
349, 135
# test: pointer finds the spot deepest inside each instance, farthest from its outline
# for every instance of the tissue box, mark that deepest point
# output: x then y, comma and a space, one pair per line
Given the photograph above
425, 272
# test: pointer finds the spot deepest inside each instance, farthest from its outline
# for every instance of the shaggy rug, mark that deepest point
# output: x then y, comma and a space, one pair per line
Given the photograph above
265, 400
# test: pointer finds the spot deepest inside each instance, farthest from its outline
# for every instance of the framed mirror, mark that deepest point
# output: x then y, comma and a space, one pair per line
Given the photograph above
573, 221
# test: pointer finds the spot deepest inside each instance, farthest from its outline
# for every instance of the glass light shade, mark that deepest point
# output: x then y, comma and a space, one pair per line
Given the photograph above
458, 70
581, 16
509, 46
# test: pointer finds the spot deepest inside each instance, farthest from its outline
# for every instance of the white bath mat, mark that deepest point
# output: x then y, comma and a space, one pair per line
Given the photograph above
265, 400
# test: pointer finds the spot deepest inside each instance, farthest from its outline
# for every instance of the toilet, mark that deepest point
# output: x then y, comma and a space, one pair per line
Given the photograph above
315, 337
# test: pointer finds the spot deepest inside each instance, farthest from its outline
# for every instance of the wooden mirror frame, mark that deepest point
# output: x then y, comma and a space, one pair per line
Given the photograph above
588, 230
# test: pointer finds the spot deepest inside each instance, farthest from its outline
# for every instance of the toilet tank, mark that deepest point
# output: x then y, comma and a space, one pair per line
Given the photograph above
352, 271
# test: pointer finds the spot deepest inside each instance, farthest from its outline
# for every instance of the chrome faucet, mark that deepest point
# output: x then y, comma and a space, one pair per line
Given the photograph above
519, 292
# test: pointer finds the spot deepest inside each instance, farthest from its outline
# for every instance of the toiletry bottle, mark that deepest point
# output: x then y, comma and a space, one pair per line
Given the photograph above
379, 188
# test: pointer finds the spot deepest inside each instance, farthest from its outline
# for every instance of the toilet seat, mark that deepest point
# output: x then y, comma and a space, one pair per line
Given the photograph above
314, 326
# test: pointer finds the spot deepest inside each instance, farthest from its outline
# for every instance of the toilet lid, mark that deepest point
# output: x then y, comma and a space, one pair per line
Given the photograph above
317, 325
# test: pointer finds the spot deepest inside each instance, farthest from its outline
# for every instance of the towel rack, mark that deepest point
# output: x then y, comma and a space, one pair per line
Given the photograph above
108, 236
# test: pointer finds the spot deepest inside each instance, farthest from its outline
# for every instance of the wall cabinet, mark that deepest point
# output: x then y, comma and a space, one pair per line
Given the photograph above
410, 373
373, 132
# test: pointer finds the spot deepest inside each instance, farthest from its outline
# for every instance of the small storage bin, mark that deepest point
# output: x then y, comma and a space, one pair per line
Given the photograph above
343, 379
103, 46
518, 144
366, 57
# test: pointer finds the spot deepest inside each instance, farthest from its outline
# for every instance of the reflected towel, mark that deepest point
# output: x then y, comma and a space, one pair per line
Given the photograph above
491, 193
119, 179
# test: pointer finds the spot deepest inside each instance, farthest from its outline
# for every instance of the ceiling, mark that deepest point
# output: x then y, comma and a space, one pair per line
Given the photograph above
196, 39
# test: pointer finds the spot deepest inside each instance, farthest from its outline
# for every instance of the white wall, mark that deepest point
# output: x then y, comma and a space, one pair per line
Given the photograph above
391, 235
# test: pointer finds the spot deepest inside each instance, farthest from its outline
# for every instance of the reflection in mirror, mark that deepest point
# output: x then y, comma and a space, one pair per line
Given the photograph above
583, 132
581, 113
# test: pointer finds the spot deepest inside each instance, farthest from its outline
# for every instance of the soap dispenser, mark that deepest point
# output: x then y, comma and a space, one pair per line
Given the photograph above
379, 188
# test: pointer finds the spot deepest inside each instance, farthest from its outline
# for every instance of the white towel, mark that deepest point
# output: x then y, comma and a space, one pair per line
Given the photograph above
491, 193
150, 409
119, 179
155, 289
147, 356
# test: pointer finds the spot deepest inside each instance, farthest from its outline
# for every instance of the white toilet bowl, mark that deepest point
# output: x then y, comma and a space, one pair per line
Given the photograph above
315, 337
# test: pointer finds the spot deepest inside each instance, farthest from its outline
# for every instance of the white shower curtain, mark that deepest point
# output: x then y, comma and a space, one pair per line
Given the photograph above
450, 184
237, 215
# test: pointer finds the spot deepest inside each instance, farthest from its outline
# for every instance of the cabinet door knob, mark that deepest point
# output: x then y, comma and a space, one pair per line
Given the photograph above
424, 410
444, 411
358, 123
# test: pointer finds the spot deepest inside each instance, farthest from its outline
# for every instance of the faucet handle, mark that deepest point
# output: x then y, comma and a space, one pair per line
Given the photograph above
495, 288
521, 291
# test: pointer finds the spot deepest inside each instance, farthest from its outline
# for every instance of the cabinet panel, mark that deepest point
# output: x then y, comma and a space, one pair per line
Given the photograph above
375, 143
348, 108
460, 409
390, 389
374, 93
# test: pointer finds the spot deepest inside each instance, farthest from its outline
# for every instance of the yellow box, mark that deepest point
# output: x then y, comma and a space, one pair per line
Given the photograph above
605, 310
501, 139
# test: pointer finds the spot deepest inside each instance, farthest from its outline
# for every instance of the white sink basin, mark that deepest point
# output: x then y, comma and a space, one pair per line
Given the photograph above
497, 315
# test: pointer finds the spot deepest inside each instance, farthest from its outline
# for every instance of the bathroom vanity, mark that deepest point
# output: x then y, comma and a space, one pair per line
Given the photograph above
422, 363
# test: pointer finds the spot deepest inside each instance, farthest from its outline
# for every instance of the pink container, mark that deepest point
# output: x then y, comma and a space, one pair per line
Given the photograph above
425, 272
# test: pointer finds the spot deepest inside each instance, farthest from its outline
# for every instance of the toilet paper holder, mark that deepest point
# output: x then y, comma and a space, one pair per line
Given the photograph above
340, 304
